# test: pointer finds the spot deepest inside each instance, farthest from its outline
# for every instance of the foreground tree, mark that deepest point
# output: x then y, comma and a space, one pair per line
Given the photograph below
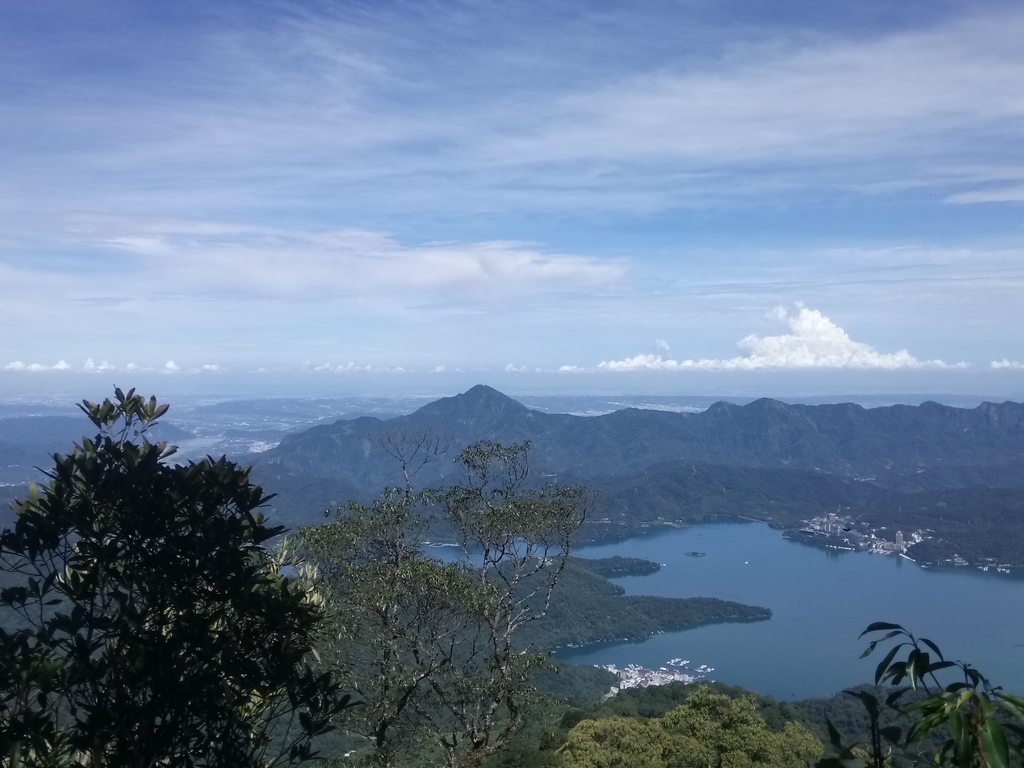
708, 731
430, 645
148, 623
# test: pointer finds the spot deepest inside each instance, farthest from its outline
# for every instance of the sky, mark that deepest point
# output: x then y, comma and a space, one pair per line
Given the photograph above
792, 197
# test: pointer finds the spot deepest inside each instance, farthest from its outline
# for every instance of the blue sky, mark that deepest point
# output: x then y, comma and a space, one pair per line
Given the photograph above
560, 196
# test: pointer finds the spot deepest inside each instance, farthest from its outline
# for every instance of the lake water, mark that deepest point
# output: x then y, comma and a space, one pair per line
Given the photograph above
821, 600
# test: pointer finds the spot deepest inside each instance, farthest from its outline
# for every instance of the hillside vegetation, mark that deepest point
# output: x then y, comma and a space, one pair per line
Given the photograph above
954, 472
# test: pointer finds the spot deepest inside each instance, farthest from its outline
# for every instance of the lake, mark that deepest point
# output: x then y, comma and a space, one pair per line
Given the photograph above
821, 600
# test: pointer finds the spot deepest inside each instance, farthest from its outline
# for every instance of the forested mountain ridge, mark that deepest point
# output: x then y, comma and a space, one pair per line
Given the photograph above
930, 445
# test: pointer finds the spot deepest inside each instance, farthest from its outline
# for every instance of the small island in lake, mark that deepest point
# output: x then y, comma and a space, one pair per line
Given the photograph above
696, 554
614, 567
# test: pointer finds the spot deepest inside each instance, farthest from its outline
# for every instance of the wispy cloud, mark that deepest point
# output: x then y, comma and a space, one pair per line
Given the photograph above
212, 257
814, 342
399, 111
995, 195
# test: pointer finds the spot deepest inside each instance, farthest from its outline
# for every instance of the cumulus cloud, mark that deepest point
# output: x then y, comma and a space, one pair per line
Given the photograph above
211, 367
511, 368
1004, 365
89, 366
350, 367
18, 365
572, 369
662, 344
813, 342
171, 367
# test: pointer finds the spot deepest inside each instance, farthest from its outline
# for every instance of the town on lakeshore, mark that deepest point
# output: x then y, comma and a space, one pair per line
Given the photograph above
635, 676
836, 531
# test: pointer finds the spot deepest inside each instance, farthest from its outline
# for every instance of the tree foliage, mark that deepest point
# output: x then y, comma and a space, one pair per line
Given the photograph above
709, 730
151, 623
429, 645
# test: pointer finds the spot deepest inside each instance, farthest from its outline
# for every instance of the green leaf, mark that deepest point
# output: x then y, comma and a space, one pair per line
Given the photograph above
934, 647
880, 669
870, 703
958, 730
938, 665
879, 626
1012, 704
985, 705
893, 697
910, 668
993, 741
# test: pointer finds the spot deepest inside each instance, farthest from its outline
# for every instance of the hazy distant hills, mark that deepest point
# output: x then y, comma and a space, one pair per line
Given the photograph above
28, 442
914, 447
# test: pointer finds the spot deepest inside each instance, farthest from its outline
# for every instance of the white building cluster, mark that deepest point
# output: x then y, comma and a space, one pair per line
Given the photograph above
635, 676
836, 531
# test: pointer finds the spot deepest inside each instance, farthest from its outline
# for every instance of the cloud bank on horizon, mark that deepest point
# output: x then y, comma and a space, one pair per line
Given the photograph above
814, 342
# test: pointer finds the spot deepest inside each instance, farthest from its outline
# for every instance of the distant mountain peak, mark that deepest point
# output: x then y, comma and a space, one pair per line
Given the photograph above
484, 393
477, 400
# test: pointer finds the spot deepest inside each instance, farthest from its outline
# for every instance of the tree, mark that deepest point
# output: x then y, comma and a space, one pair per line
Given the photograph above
430, 645
152, 625
708, 731
976, 714
395, 616
515, 542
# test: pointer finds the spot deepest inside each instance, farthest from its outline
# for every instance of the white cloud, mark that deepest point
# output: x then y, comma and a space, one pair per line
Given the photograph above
171, 367
814, 342
262, 261
211, 367
1005, 364
1000, 195
89, 366
819, 111
18, 365
662, 344
571, 369
438, 369
510, 368
350, 367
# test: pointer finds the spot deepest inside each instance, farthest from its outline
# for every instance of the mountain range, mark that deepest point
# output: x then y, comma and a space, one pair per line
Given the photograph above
956, 471
926, 446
